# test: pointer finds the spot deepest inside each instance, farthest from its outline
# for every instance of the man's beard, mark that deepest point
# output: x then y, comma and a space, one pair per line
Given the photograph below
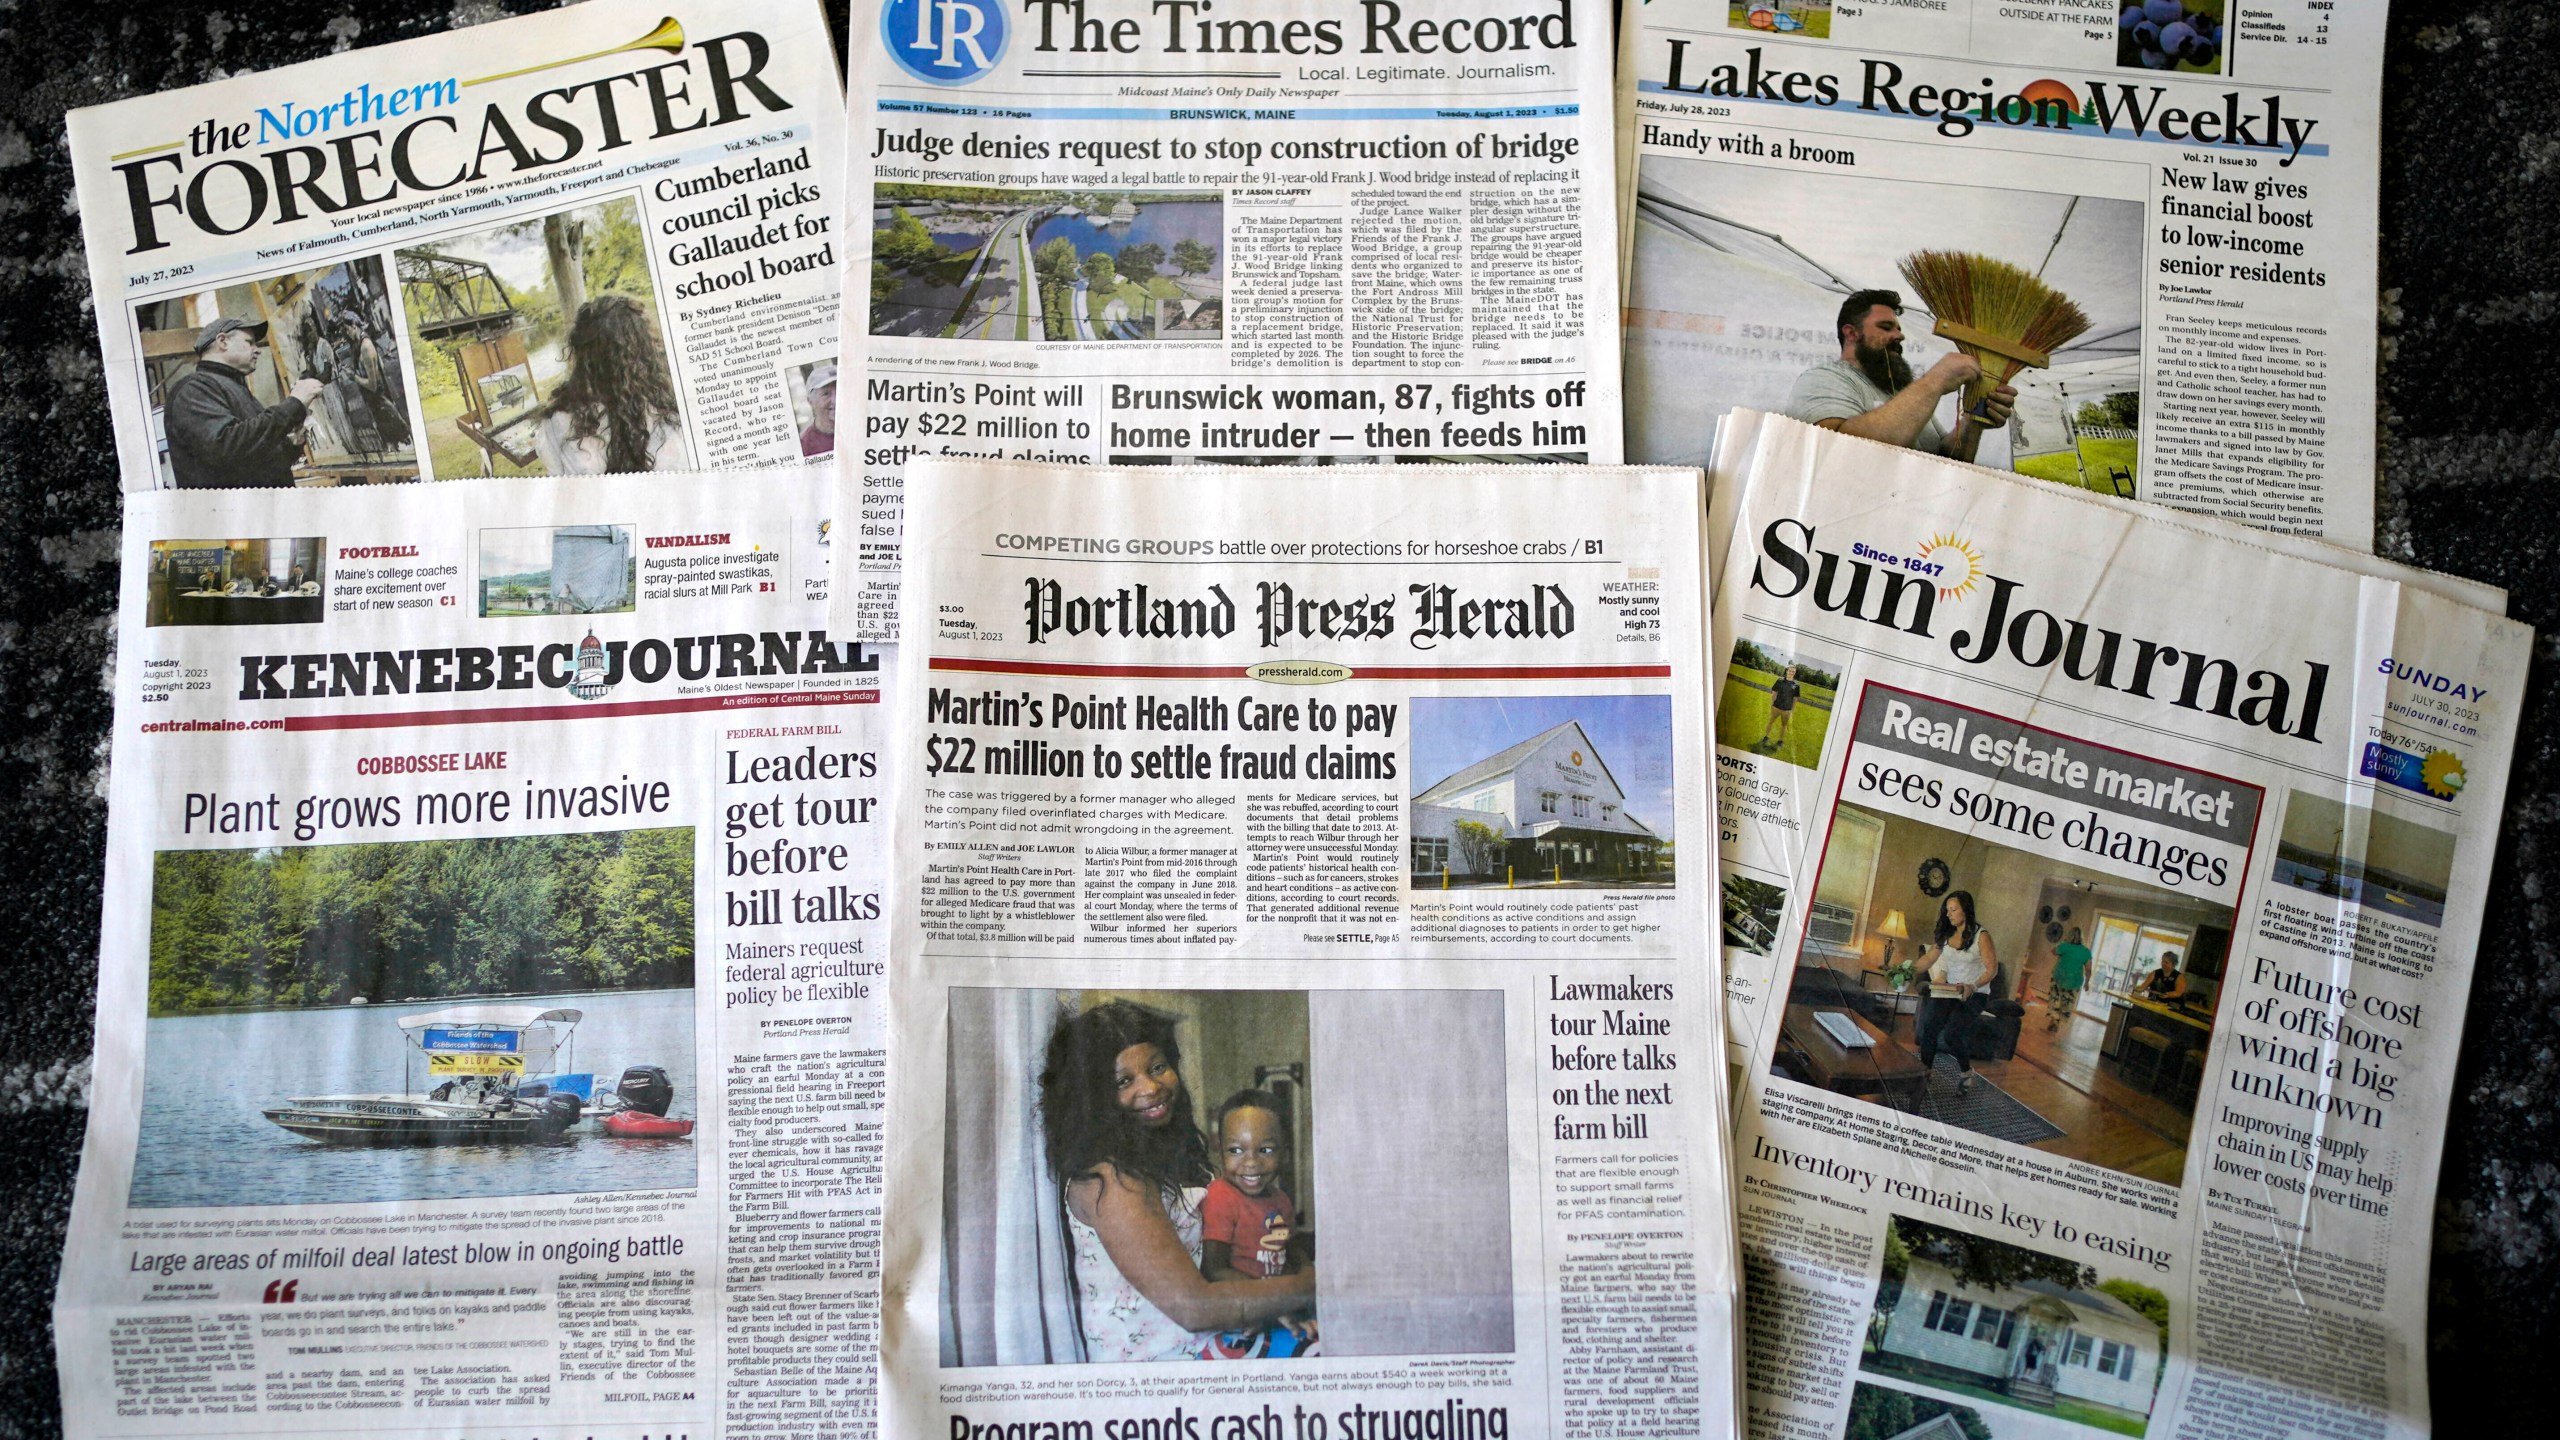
1885, 366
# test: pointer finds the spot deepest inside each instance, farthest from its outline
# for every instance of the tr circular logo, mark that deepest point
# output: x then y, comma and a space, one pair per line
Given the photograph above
944, 42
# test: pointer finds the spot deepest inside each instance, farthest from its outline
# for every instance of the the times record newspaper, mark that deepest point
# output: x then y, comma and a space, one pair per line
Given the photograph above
1321, 232
490, 1016
1306, 966
2100, 900
2198, 179
600, 239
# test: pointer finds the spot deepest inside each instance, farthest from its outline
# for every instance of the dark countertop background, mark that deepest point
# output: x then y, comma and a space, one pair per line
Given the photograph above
2470, 441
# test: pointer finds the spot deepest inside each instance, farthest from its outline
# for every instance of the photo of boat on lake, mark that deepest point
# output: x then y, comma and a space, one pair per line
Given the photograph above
420, 1020
969, 262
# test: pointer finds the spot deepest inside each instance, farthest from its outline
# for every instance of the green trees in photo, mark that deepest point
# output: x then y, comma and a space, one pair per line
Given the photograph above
1191, 257
421, 919
1140, 262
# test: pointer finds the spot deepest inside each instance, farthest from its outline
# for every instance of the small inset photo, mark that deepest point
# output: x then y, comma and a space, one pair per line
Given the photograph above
1542, 792
811, 387
2374, 861
1777, 702
2009, 1327
541, 349
237, 582
558, 570
2180, 35
1752, 909
1781, 17
1087, 1127
977, 263
293, 379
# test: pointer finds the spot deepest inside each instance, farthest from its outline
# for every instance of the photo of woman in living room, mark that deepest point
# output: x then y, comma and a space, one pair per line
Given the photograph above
1944, 976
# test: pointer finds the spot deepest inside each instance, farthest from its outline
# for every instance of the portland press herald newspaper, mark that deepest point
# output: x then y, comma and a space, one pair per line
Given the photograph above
1311, 858
2100, 898
1407, 203
600, 239
2199, 179
490, 1020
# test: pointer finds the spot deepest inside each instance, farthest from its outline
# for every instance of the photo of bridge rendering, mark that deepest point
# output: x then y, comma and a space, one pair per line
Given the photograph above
979, 263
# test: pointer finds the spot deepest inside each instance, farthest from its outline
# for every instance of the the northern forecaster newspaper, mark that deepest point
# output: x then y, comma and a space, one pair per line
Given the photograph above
2198, 179
1325, 857
490, 1017
2102, 895
602, 239
1408, 203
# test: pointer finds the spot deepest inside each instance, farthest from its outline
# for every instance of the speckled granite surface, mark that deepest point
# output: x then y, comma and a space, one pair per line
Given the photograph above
2471, 443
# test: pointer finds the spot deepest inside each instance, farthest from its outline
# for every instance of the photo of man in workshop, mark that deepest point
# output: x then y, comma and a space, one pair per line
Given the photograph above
541, 349
291, 379
2001, 326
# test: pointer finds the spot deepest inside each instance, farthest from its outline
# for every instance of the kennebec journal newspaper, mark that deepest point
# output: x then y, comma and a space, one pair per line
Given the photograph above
2100, 897
490, 1017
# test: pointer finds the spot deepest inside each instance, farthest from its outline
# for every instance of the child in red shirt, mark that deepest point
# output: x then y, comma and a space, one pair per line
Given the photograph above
1247, 1220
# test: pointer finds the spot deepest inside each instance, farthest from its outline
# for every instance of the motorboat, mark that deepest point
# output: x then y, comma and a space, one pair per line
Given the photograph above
498, 1074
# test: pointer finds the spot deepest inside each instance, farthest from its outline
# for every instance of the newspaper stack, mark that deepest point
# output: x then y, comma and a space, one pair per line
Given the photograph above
1275, 859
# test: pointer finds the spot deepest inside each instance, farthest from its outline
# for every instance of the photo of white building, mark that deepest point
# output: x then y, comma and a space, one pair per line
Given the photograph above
1989, 1321
1544, 811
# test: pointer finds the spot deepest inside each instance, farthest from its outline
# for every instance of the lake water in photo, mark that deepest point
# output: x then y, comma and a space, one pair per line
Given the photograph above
207, 1079
1157, 224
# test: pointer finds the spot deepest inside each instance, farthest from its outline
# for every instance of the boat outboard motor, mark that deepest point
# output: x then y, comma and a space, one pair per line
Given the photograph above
647, 1089
554, 1114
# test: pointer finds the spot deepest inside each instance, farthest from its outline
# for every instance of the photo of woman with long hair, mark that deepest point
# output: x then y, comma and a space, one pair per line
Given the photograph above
1960, 970
1122, 1139
615, 412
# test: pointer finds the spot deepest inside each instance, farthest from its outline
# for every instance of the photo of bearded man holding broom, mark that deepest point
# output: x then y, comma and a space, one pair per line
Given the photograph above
1870, 390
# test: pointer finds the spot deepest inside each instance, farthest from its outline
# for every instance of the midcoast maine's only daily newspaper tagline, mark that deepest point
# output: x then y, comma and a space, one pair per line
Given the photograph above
1105, 231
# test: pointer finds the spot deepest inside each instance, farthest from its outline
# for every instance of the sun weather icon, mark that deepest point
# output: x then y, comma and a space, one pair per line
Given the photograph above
1959, 564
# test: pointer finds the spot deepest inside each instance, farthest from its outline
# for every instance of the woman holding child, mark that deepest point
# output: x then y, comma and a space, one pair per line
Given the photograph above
1122, 1142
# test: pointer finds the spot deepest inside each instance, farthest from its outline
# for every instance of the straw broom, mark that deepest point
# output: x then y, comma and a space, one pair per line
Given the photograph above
2005, 318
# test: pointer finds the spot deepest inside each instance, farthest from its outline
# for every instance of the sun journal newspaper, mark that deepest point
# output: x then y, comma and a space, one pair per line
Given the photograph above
1304, 964
1407, 203
2149, 221
492, 987
2100, 897
602, 239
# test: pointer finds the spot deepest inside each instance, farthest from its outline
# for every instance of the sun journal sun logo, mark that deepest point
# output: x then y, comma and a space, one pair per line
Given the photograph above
944, 42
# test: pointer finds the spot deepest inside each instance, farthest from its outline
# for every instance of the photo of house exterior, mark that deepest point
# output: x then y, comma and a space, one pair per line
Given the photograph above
2034, 1343
1544, 811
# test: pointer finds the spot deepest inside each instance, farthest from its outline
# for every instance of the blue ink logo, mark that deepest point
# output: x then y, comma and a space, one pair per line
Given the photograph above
944, 42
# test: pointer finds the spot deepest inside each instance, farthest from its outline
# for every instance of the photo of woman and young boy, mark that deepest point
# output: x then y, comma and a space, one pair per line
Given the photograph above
1096, 1210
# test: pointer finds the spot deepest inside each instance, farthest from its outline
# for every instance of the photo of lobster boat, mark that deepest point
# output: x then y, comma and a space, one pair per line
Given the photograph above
498, 1086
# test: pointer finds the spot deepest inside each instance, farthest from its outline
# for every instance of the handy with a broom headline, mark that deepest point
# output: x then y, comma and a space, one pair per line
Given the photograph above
2007, 319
